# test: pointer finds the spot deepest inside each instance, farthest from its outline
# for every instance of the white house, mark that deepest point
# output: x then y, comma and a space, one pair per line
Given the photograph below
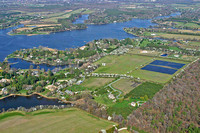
82, 48
103, 64
111, 96
133, 104
69, 92
109, 118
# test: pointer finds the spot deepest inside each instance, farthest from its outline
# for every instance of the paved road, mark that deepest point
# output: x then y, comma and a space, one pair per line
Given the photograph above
110, 85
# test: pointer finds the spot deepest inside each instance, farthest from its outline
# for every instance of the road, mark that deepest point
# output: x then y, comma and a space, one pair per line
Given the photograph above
110, 85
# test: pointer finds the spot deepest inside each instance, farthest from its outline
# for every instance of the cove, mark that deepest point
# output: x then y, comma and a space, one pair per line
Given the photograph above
27, 101
22, 64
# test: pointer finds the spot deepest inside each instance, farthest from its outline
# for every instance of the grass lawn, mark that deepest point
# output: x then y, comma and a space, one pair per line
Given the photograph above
124, 131
147, 88
55, 17
151, 76
121, 64
171, 36
75, 88
124, 108
88, 11
143, 52
23, 92
189, 25
103, 99
127, 64
178, 36
125, 85
45, 92
93, 82
51, 121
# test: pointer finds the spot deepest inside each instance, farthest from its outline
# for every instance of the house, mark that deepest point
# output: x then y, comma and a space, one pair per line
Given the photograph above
51, 87
66, 74
79, 82
133, 104
35, 73
109, 118
27, 87
103, 131
111, 96
103, 64
176, 56
144, 51
69, 92
82, 48
58, 61
5, 81
4, 91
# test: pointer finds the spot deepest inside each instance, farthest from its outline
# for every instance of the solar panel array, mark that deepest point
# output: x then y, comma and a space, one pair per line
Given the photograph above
163, 67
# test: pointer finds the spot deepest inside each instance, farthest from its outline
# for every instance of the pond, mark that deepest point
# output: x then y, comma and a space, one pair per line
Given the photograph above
27, 102
22, 64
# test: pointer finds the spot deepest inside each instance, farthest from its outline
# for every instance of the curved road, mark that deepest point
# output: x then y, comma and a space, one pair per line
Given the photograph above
110, 85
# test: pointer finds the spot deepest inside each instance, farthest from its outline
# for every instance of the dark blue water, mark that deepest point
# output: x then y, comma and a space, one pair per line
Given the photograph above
81, 19
167, 63
27, 102
22, 64
159, 69
67, 39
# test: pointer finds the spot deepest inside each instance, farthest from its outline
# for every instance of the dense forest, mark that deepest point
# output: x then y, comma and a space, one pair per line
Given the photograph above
175, 108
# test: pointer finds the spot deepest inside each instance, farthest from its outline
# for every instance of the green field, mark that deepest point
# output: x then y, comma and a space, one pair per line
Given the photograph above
54, 17
152, 76
125, 85
131, 64
121, 64
96, 82
178, 36
103, 99
189, 25
172, 36
149, 89
52, 121
124, 108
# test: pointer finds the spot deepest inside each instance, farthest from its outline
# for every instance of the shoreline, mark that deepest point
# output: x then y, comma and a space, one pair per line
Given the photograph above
35, 93
46, 33
34, 62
